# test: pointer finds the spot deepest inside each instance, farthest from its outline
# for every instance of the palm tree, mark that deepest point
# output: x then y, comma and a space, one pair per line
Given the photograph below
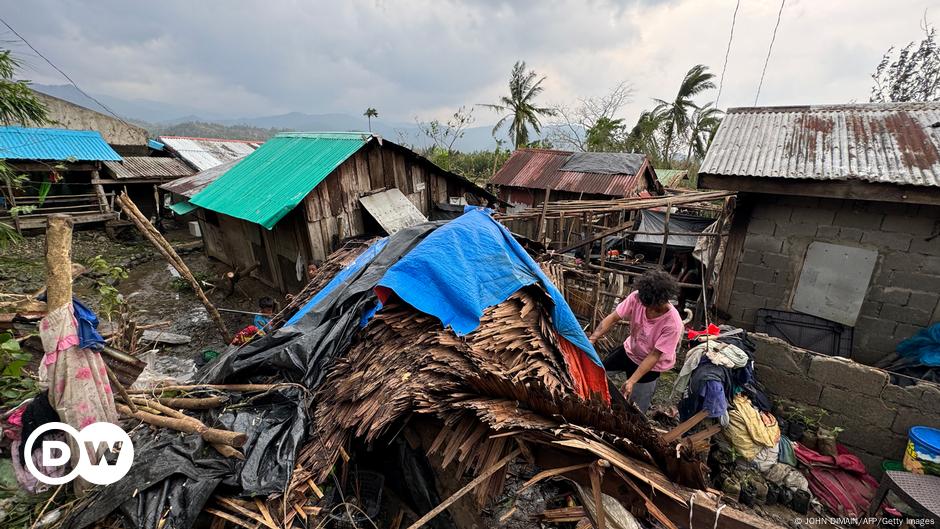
605, 135
369, 114
702, 127
520, 105
677, 111
644, 136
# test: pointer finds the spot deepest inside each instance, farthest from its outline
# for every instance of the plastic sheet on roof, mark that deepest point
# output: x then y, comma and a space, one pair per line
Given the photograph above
604, 162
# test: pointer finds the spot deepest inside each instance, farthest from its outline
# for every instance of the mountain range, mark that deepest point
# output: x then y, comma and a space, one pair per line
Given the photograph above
183, 120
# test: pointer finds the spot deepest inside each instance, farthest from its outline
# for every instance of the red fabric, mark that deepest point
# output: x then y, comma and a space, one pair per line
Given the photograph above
711, 330
383, 293
245, 335
589, 378
841, 483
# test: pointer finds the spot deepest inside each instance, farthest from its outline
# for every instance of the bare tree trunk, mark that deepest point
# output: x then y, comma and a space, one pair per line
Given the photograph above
58, 261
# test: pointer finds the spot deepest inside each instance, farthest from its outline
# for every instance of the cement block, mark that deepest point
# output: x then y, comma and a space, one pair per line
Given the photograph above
881, 239
871, 325
910, 225
779, 355
925, 301
930, 400
870, 308
904, 315
752, 257
761, 226
853, 218
893, 295
796, 228
917, 281
903, 261
851, 234
777, 261
756, 273
922, 245
828, 232
893, 394
931, 264
908, 417
857, 407
815, 215
770, 291
790, 386
904, 331
875, 441
763, 243
774, 212
743, 286
844, 373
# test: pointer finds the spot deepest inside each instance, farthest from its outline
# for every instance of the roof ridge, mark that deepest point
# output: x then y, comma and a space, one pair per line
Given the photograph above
208, 139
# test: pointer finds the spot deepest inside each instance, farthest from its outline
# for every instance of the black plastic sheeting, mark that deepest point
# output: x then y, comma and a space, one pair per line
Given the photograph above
302, 352
177, 474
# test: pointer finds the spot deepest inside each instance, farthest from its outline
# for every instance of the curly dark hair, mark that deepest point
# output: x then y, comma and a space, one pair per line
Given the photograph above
655, 287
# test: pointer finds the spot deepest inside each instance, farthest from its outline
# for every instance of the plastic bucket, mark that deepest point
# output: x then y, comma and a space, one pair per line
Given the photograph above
923, 451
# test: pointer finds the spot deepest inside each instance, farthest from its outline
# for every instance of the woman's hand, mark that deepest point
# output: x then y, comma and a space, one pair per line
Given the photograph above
627, 388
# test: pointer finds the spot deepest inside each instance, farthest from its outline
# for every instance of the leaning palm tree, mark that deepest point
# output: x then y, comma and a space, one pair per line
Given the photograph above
702, 127
519, 105
369, 114
677, 112
645, 135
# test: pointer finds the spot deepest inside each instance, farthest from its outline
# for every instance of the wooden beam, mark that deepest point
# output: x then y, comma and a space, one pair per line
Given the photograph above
844, 189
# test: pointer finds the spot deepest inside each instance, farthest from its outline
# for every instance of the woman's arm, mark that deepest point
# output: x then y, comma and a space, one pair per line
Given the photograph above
645, 366
604, 326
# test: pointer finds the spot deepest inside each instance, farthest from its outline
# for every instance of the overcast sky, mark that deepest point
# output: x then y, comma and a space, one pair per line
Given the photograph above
425, 58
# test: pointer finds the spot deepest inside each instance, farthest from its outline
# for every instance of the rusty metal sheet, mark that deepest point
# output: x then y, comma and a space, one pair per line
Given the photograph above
891, 143
392, 210
543, 169
147, 167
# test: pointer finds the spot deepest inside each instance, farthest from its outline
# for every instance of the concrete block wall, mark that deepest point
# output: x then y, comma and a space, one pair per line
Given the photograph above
875, 414
904, 293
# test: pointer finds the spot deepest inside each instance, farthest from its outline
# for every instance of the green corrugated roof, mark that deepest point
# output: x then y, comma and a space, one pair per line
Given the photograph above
270, 182
668, 177
182, 208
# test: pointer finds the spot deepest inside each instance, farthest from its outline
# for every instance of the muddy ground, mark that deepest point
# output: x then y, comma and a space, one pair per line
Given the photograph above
151, 291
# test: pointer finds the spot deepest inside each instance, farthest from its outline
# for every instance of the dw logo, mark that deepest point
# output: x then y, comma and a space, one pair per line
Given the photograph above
101, 438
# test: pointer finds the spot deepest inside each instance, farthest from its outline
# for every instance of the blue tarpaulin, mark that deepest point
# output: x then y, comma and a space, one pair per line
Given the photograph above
923, 346
469, 264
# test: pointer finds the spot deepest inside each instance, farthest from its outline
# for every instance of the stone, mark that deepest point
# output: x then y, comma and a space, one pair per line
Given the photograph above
895, 241
856, 406
844, 373
796, 387
908, 417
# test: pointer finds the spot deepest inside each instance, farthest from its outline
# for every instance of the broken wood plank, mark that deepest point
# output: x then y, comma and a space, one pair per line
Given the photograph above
685, 426
545, 474
483, 476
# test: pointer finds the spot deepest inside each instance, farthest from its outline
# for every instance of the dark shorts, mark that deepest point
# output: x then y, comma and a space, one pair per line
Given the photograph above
617, 360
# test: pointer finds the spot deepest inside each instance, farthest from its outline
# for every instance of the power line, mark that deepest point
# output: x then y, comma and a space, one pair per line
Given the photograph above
721, 81
767, 60
37, 52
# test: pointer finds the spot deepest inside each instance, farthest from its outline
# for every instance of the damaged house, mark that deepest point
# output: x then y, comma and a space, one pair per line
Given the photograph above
834, 244
293, 200
532, 176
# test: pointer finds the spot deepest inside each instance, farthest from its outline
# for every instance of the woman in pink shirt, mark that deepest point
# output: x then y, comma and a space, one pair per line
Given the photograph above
655, 331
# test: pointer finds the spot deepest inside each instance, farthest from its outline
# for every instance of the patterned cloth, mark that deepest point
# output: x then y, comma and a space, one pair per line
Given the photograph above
77, 378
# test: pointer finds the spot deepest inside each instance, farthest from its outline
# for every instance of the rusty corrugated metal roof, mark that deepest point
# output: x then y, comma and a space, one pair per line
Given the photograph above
149, 167
541, 169
895, 143
204, 153
190, 185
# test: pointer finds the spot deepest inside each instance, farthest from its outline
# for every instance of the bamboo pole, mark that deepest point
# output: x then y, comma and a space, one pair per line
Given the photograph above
58, 261
187, 425
161, 244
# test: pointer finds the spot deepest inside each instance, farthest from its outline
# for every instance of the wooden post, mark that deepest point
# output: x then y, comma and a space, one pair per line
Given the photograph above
542, 221
662, 251
597, 283
161, 244
103, 204
58, 261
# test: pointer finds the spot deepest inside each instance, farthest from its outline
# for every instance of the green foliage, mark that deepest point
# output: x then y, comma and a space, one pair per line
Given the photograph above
18, 104
912, 75
677, 112
369, 114
476, 166
201, 129
110, 299
520, 107
15, 384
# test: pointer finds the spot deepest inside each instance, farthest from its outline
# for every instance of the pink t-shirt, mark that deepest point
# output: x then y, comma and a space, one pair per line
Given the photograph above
661, 333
